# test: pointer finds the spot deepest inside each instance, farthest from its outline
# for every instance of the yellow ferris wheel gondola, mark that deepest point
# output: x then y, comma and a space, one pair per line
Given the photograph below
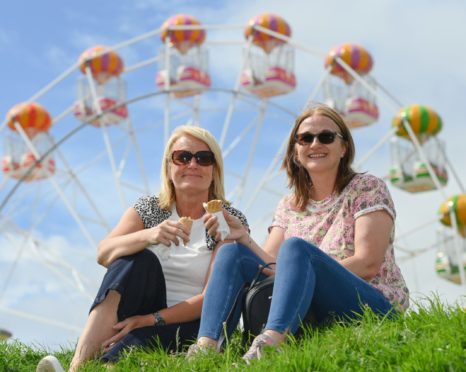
423, 120
450, 261
457, 204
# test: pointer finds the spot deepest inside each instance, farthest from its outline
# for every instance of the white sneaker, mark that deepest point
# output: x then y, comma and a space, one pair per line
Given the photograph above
49, 364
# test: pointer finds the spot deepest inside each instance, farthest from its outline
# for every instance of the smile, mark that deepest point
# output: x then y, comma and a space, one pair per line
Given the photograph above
312, 156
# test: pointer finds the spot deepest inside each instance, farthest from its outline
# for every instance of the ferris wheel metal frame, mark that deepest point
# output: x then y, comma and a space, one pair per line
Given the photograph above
68, 175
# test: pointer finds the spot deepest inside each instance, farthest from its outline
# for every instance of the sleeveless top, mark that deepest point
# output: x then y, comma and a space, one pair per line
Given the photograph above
184, 266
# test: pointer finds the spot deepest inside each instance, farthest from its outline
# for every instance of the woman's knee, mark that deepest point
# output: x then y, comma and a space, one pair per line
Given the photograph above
139, 261
297, 246
230, 252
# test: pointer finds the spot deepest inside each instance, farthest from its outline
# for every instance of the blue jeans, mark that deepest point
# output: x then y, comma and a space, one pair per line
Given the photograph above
305, 277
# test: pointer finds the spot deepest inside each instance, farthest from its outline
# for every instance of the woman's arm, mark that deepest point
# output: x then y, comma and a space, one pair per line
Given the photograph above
238, 233
274, 241
184, 311
129, 237
372, 233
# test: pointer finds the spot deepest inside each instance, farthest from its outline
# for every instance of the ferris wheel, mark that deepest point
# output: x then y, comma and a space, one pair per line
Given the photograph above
69, 171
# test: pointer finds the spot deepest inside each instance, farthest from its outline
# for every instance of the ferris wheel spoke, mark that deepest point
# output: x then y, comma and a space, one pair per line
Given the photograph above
233, 100
104, 130
58, 189
227, 121
53, 265
450, 166
73, 178
9, 274
268, 175
40, 319
318, 87
260, 123
166, 119
375, 148
138, 155
237, 140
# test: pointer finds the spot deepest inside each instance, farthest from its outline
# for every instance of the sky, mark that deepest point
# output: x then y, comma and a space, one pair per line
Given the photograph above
48, 272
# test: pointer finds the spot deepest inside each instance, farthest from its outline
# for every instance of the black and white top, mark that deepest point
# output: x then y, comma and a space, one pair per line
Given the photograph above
184, 266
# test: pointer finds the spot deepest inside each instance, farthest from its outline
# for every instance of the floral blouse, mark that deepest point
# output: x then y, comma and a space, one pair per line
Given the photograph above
329, 224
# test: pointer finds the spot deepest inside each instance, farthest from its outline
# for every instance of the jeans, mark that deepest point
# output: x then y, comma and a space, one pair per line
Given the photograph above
305, 277
139, 280
172, 338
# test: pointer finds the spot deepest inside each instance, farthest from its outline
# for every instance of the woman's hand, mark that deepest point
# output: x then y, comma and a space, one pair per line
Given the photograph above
268, 271
167, 232
237, 230
126, 326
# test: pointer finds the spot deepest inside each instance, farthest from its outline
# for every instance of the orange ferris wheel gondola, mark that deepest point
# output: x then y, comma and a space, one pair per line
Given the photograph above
103, 63
354, 55
32, 117
182, 40
271, 22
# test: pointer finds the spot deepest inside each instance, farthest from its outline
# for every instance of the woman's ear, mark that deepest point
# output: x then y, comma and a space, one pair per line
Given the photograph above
343, 153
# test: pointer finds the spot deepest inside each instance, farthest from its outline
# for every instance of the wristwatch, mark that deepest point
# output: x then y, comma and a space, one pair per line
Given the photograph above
159, 321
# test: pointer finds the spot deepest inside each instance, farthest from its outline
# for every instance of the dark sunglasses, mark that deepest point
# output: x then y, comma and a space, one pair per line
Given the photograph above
183, 157
325, 137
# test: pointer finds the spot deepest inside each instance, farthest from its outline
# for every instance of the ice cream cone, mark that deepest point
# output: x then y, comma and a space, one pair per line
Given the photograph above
213, 206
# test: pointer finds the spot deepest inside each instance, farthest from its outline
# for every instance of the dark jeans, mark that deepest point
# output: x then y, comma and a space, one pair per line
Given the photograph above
140, 281
305, 276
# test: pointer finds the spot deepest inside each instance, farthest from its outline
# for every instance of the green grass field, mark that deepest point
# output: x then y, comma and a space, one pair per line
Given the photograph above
432, 338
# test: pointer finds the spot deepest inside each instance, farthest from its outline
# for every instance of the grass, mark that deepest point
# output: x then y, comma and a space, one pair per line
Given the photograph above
433, 338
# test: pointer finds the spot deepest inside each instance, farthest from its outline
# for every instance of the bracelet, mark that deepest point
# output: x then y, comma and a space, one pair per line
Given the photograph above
159, 321
249, 243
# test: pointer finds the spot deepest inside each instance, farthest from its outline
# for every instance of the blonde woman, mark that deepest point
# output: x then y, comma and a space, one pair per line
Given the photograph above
153, 290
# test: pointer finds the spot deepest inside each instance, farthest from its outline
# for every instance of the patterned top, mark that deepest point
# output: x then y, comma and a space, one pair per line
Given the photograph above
329, 224
152, 215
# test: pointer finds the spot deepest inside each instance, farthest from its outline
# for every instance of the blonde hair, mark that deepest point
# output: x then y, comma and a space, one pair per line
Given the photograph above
167, 190
298, 178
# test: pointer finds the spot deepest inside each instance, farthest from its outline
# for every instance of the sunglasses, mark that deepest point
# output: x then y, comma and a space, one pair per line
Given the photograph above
325, 137
183, 157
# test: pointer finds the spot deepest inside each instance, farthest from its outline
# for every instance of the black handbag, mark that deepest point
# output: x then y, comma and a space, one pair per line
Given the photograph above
256, 306
257, 298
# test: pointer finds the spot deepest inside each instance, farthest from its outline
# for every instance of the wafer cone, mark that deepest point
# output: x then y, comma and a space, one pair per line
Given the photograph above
213, 206
187, 222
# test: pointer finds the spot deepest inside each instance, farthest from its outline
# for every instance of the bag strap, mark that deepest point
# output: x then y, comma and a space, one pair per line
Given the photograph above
259, 272
242, 290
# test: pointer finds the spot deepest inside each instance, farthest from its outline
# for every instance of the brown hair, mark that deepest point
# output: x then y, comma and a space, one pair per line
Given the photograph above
299, 180
167, 190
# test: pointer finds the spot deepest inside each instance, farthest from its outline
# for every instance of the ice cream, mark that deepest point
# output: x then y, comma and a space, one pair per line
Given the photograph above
213, 206
187, 222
